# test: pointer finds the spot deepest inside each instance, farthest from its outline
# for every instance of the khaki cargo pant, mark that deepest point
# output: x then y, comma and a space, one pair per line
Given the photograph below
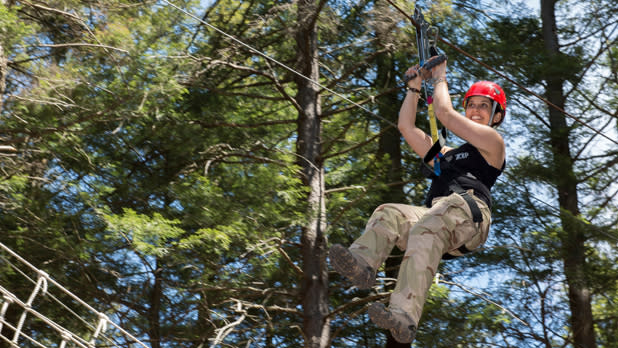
425, 234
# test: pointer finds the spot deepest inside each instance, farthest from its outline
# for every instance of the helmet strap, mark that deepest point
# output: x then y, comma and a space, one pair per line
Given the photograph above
493, 113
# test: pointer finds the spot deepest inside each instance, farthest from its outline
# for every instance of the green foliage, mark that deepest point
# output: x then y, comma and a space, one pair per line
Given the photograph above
148, 235
157, 175
12, 188
12, 30
466, 322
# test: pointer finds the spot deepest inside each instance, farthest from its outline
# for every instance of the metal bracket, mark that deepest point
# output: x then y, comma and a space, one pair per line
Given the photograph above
426, 37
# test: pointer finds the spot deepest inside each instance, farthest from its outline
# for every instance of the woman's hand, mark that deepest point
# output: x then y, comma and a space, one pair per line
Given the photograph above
414, 78
415, 137
437, 72
486, 139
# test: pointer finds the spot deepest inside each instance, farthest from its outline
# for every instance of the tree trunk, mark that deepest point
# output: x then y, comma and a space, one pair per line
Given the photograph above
573, 239
154, 310
316, 326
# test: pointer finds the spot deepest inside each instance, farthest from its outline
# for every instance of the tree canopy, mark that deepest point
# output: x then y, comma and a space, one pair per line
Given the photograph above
182, 166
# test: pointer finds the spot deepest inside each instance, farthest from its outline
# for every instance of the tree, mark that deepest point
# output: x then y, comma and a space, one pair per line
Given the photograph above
180, 176
573, 238
314, 247
575, 120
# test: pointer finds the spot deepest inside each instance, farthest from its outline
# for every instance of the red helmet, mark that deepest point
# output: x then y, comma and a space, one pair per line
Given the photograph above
490, 90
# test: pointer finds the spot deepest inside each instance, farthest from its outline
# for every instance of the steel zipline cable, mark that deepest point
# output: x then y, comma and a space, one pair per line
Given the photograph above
525, 89
441, 39
264, 55
256, 51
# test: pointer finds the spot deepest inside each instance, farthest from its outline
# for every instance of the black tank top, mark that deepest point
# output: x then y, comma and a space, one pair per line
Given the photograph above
467, 166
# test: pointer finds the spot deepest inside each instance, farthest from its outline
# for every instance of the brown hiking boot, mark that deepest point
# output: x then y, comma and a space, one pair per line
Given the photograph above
352, 267
402, 327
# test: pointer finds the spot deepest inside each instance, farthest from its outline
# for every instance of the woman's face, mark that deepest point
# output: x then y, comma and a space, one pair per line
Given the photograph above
478, 109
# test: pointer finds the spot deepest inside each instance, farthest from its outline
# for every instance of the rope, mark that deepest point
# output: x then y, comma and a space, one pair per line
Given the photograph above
65, 307
28, 309
41, 283
11, 343
103, 320
41, 287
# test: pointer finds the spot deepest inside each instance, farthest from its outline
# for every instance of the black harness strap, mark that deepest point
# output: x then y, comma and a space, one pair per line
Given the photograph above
436, 147
435, 155
477, 216
462, 249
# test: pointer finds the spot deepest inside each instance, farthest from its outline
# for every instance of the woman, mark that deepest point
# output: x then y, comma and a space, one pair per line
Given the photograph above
457, 217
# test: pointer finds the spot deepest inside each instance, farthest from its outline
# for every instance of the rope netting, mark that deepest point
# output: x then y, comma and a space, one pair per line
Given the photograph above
25, 312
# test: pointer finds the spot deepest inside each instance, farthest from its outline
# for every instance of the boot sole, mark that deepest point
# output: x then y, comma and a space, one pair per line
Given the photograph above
346, 264
382, 317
